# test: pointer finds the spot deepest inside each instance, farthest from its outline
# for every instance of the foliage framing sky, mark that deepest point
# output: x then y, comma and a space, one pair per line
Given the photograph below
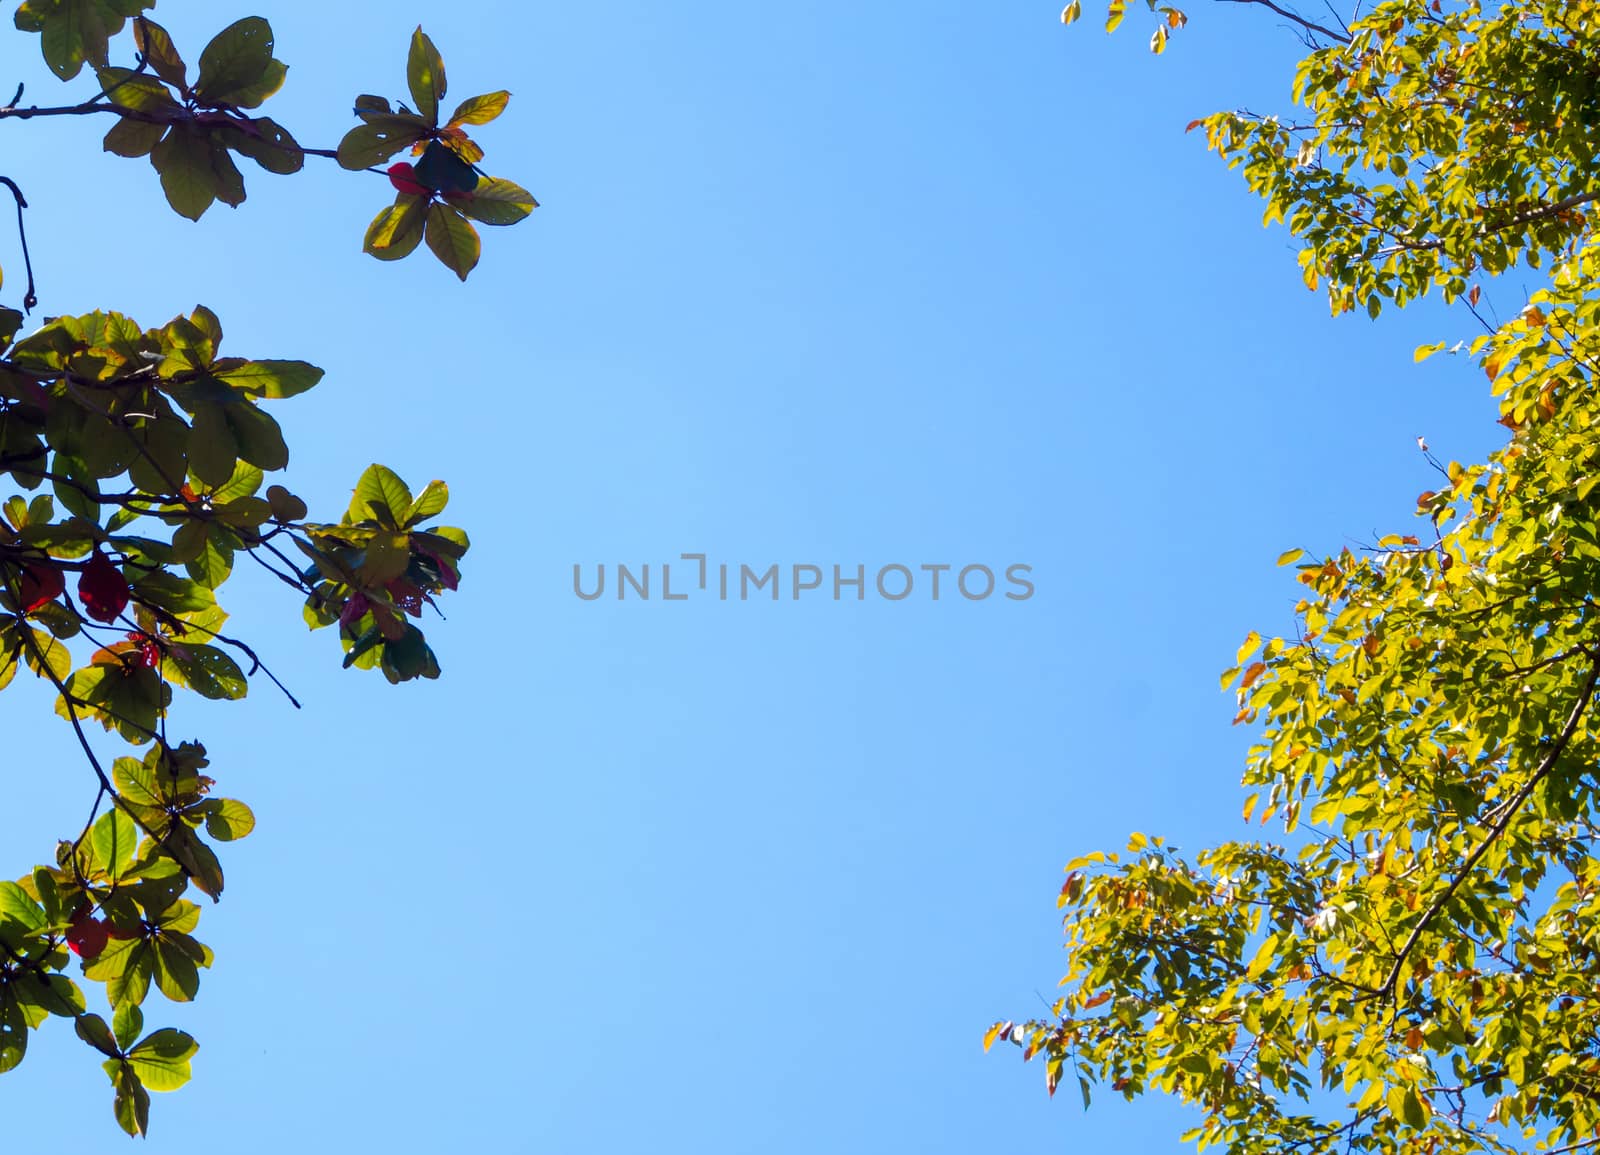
816, 283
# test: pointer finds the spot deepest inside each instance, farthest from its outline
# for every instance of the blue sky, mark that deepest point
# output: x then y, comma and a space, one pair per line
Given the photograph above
824, 283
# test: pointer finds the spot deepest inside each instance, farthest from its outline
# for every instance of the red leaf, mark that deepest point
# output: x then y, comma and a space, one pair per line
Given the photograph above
406, 596
401, 176
148, 649
448, 577
354, 610
86, 937
103, 589
40, 585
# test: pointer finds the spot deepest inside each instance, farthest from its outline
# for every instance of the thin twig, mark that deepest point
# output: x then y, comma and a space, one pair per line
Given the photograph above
1308, 25
32, 298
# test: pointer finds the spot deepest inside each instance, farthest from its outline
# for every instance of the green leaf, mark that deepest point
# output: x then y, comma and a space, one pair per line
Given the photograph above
453, 240
126, 1024
53, 994
273, 379
155, 45
72, 32
378, 139
380, 486
112, 840
266, 142
441, 169
245, 481
258, 436
125, 966
257, 94
425, 76
197, 859
137, 781
285, 505
173, 594
409, 657
397, 230
92, 1029
47, 657
161, 1059
132, 1103
429, 503
213, 452
138, 92
176, 975
226, 818
209, 672
497, 202
17, 906
184, 161
229, 181
13, 1031
479, 109
236, 59
1264, 958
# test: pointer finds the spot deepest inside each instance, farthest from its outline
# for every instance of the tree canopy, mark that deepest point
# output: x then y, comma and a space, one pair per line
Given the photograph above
146, 452
1413, 964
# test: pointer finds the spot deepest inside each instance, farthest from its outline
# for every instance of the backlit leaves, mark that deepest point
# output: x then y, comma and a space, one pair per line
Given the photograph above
453, 239
142, 457
443, 187
425, 76
237, 65
1411, 965
168, 419
479, 109
75, 32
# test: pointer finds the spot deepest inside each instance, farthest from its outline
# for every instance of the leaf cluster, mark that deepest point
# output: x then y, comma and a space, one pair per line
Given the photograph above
1413, 966
135, 467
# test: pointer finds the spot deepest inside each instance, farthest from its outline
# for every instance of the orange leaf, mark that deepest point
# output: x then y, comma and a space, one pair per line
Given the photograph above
1252, 674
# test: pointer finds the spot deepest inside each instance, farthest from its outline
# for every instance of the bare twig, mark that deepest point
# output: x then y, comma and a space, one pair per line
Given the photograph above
1309, 25
31, 298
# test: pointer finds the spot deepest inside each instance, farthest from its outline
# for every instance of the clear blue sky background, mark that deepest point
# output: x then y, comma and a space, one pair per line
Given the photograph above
813, 282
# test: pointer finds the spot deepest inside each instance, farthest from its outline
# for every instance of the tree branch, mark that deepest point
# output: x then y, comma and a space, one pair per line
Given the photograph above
1308, 25
11, 112
1527, 217
1546, 764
